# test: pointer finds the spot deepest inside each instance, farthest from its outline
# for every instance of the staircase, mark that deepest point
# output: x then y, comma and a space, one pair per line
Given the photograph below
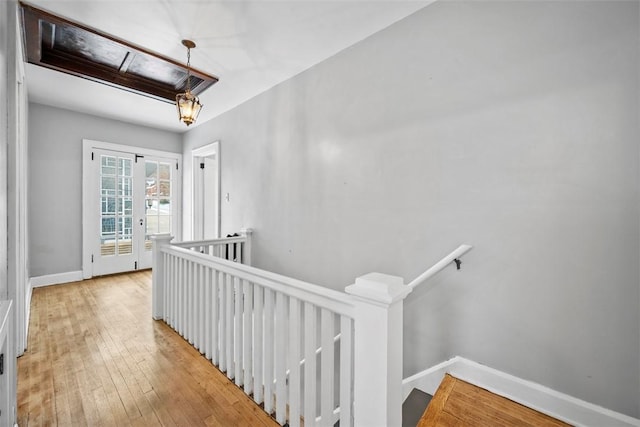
414, 406
458, 403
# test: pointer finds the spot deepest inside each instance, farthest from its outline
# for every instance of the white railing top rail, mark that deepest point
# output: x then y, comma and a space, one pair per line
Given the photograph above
440, 265
220, 241
338, 302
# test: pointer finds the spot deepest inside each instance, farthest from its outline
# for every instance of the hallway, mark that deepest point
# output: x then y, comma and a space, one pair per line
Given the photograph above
96, 357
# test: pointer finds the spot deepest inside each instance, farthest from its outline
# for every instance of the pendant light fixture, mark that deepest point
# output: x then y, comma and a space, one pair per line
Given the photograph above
188, 104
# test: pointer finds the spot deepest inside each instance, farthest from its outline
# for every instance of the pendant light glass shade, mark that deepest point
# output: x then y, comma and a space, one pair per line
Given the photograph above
188, 104
188, 107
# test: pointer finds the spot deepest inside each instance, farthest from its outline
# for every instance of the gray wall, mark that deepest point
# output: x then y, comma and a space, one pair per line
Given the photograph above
55, 179
512, 126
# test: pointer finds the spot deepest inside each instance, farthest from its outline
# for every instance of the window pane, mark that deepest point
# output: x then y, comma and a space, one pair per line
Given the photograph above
164, 223
164, 207
124, 235
151, 169
165, 171
124, 167
108, 187
150, 190
125, 206
151, 206
108, 205
152, 224
108, 164
165, 189
124, 187
125, 230
108, 228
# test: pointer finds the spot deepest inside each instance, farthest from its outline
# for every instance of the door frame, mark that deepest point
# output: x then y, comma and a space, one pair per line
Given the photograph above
88, 185
17, 176
198, 188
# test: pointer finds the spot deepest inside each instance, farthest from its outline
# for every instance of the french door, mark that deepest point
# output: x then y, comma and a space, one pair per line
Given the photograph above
129, 196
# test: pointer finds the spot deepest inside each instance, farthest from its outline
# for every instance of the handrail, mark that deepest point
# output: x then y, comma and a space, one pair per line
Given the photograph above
440, 265
221, 241
221, 307
331, 299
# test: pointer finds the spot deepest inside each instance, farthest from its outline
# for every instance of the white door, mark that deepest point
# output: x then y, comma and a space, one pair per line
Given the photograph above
206, 192
210, 198
128, 197
120, 222
160, 203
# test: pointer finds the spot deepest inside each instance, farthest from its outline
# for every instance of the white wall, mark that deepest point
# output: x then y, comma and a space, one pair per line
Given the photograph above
55, 179
13, 284
5, 45
512, 126
17, 172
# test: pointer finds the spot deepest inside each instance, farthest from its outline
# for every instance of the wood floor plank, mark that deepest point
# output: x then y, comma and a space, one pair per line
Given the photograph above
460, 404
105, 416
96, 357
437, 404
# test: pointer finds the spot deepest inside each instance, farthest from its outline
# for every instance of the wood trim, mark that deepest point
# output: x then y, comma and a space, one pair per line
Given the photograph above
40, 29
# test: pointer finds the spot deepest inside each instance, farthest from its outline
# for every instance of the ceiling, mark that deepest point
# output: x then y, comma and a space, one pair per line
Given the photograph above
250, 46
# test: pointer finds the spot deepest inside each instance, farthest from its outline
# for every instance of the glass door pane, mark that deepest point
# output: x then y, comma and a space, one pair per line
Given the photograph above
115, 174
116, 213
158, 199
127, 197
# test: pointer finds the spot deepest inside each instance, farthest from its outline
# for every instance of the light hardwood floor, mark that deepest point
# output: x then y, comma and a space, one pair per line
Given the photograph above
460, 404
96, 357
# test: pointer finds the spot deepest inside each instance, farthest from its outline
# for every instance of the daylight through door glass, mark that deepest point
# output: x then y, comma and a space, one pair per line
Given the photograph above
116, 213
158, 196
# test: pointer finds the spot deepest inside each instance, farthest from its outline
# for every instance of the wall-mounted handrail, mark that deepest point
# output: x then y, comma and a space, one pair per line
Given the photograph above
440, 265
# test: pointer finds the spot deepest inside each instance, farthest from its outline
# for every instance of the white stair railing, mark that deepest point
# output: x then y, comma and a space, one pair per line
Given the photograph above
236, 248
256, 326
304, 352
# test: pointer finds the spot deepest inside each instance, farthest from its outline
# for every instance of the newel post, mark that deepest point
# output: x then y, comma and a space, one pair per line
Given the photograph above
158, 274
378, 349
246, 252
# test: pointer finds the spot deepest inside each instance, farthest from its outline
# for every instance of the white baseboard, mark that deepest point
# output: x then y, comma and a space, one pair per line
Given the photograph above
429, 379
558, 405
56, 279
